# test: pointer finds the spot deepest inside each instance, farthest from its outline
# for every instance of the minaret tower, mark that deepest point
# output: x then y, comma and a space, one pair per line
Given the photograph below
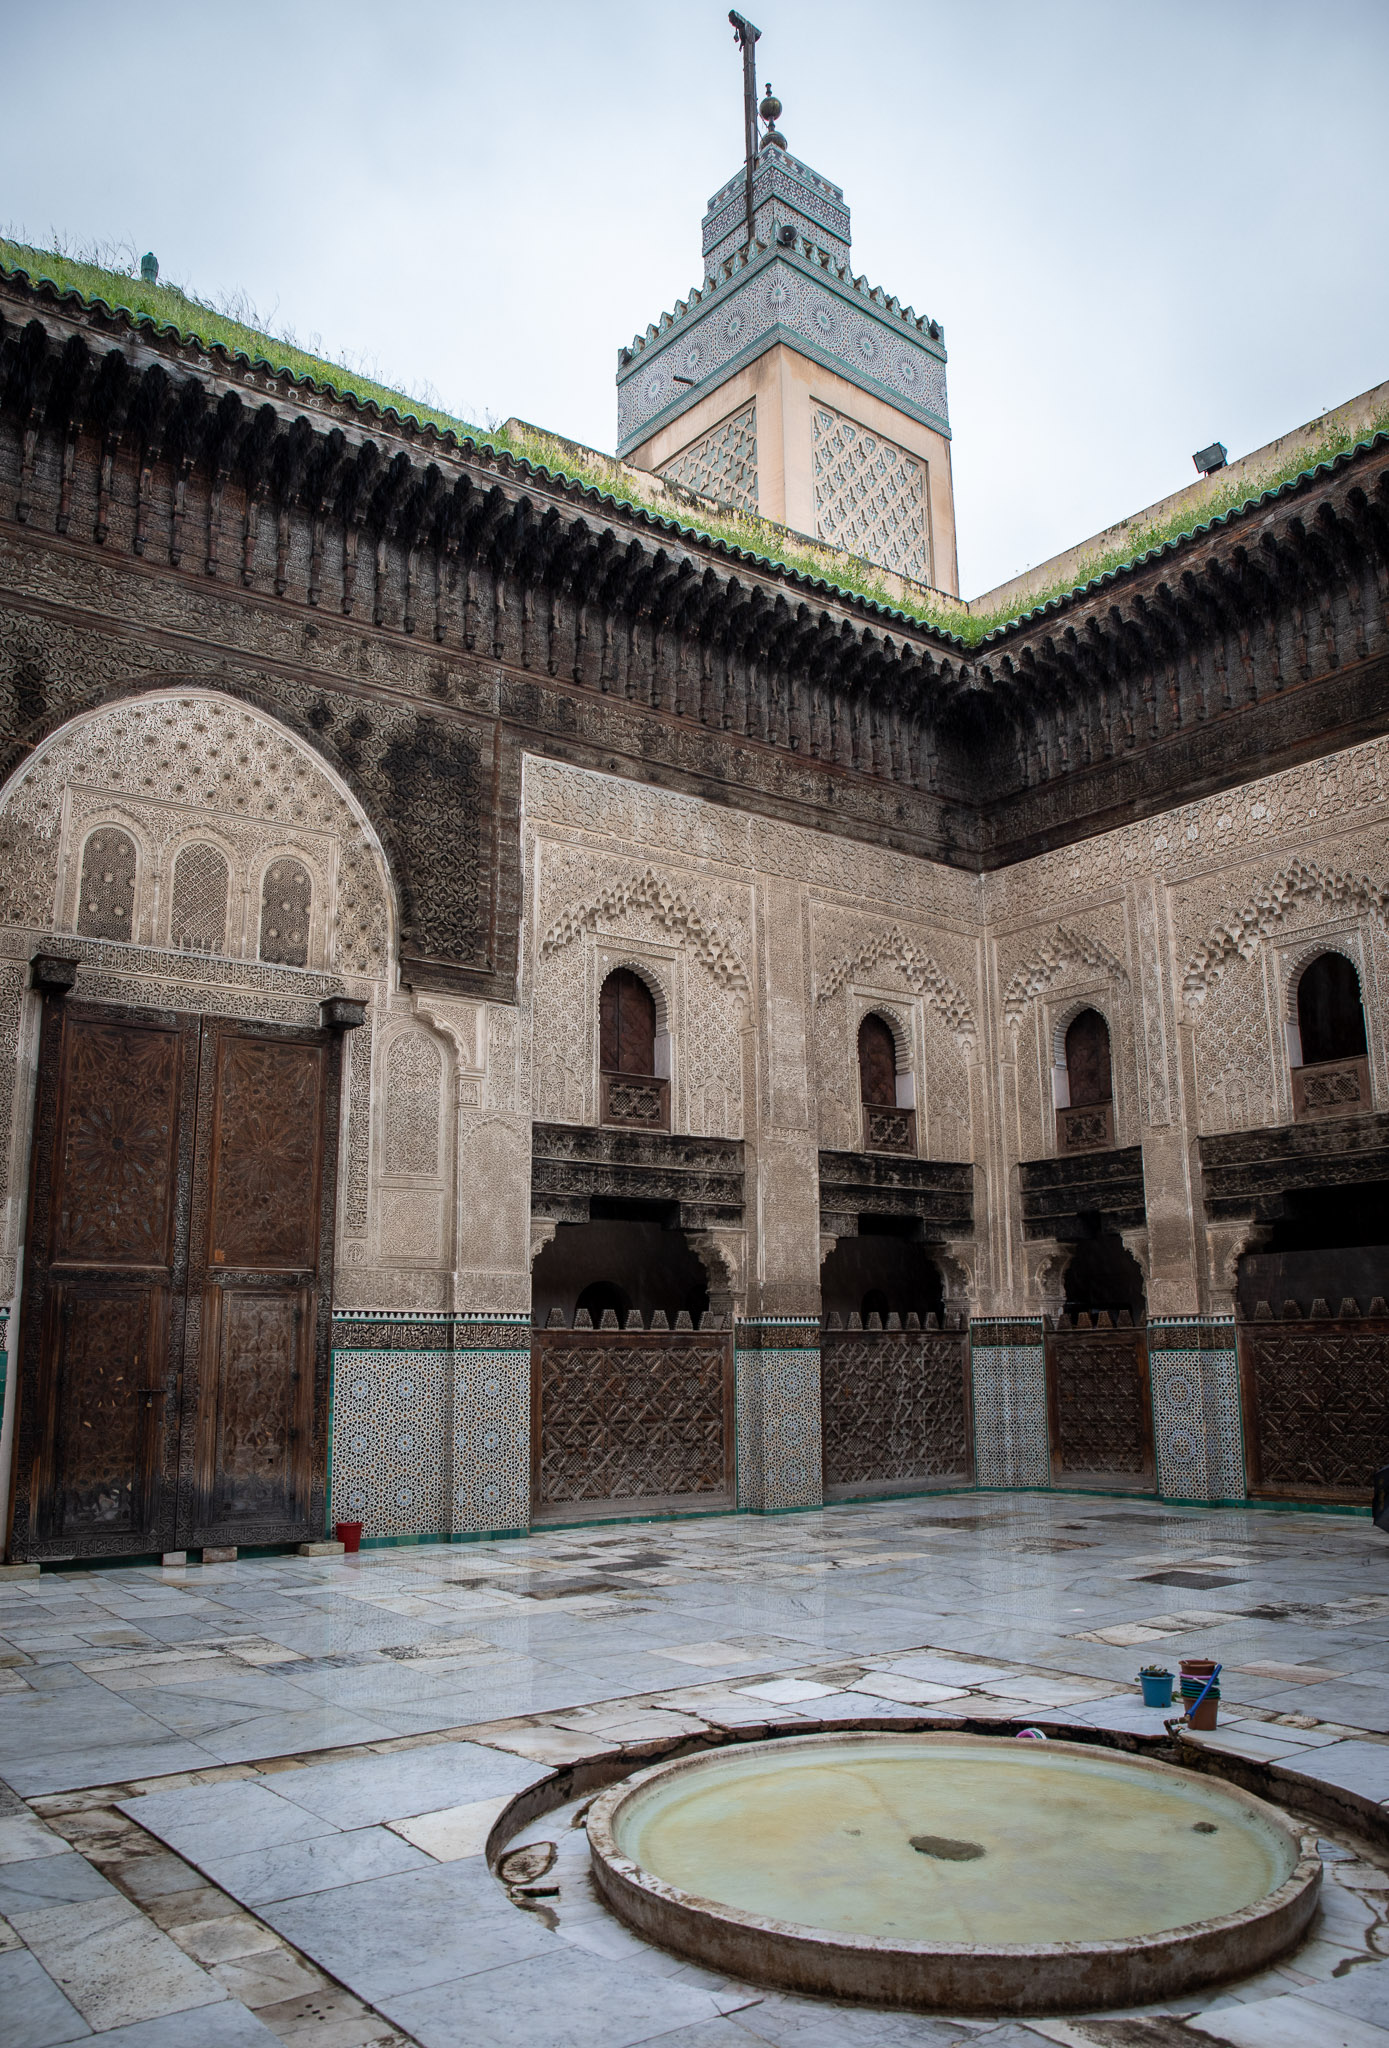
787, 386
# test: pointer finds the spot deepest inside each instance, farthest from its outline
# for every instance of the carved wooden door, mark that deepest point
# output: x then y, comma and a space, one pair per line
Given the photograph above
106, 1264
174, 1341
1099, 1404
255, 1359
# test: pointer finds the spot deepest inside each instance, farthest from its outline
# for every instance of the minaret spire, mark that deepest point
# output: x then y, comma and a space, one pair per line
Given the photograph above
746, 36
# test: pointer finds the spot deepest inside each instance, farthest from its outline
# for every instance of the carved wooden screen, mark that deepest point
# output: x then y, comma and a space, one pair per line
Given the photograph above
1099, 1403
628, 1415
894, 1411
1316, 1406
170, 1396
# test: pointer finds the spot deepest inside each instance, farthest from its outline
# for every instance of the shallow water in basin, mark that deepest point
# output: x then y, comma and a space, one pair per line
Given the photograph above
932, 1842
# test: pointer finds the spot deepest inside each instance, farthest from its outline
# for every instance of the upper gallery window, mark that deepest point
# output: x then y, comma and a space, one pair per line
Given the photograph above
198, 916
1085, 1087
285, 904
628, 1046
889, 1114
1327, 1048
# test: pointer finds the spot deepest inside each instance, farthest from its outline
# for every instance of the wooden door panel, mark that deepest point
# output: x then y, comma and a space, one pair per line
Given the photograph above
1100, 1405
106, 1390
256, 1356
266, 1165
256, 1349
116, 1184
105, 1265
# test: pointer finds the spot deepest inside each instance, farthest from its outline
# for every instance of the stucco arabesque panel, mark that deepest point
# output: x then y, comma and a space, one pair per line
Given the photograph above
688, 932
924, 978
174, 767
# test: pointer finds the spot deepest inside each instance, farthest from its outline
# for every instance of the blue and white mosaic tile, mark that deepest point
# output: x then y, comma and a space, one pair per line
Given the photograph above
1008, 1374
1197, 1427
777, 1394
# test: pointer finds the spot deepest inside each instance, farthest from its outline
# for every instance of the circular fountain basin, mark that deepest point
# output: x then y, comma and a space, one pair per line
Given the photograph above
953, 1872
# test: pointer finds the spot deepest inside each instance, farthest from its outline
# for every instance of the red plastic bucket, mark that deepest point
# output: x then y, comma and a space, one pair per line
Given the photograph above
349, 1535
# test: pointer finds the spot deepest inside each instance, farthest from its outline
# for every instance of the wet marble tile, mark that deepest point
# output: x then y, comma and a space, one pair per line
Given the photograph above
114, 1966
36, 2014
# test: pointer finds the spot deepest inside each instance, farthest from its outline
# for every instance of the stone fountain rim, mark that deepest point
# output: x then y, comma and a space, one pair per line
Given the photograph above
1003, 1977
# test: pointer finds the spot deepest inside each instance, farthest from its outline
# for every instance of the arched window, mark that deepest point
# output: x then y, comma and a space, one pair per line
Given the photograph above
1087, 1060
1327, 1048
198, 915
626, 1025
285, 902
1330, 1016
1084, 1085
628, 1047
889, 1120
877, 1064
106, 907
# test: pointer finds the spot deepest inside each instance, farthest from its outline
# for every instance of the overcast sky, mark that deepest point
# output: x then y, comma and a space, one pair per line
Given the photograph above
1143, 227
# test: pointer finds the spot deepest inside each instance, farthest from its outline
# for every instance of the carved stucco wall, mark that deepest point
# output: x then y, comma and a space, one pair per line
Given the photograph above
1187, 931
744, 925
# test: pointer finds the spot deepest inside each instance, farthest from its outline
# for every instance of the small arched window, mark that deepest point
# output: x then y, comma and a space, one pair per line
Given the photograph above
106, 907
1084, 1084
889, 1120
1330, 1015
632, 1055
1087, 1060
877, 1064
198, 915
285, 903
626, 1025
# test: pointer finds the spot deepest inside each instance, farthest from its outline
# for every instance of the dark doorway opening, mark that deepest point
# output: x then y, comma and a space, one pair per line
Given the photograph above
881, 1275
1104, 1275
1330, 1244
619, 1264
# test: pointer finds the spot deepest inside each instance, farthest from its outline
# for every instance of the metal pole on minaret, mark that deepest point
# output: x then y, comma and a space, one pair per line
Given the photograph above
747, 37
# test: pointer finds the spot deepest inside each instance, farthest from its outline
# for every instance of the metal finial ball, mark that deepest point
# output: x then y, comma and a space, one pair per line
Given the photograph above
770, 109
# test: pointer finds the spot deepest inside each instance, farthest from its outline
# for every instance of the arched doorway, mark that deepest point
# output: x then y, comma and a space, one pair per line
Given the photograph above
632, 1389
194, 883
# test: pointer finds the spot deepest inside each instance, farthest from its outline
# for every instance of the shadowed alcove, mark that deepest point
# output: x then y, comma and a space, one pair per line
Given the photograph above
619, 1264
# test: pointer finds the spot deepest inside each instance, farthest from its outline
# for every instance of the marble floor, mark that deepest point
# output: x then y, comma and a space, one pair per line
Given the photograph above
250, 1801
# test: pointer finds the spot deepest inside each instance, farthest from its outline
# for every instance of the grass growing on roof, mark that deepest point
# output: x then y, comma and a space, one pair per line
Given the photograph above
1225, 498
96, 275
233, 326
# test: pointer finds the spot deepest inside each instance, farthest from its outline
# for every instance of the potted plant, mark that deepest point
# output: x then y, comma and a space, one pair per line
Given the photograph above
1156, 1681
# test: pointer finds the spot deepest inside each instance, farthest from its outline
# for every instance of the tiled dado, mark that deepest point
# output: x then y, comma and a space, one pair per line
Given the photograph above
776, 1366
1008, 1376
431, 1423
1197, 1427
